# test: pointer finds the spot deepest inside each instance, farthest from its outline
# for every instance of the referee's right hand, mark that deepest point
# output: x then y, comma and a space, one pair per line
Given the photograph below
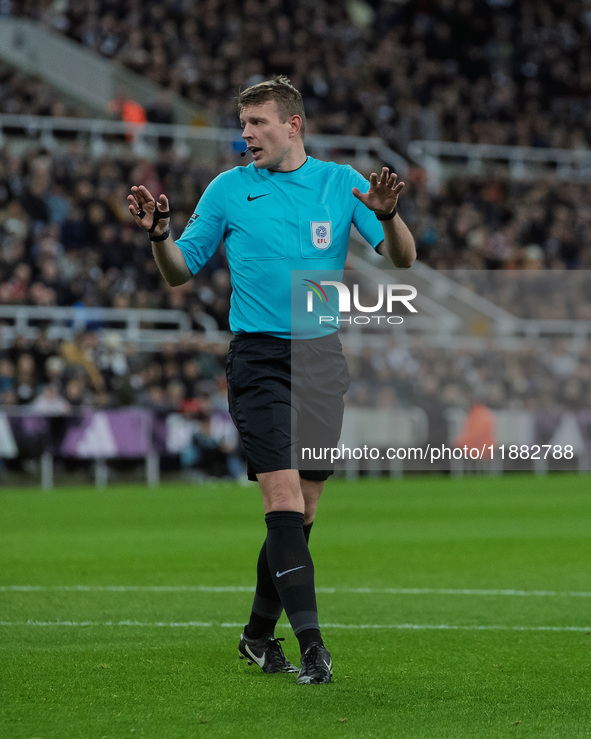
142, 207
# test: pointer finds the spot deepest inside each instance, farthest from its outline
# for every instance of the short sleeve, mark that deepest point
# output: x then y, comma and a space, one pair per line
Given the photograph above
364, 219
206, 227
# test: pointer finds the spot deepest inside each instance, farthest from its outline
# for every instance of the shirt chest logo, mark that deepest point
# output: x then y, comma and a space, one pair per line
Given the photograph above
321, 234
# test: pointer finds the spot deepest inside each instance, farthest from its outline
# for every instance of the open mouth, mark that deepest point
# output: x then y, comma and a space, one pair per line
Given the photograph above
254, 149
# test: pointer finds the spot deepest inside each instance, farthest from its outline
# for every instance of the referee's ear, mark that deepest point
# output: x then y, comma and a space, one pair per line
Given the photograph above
295, 125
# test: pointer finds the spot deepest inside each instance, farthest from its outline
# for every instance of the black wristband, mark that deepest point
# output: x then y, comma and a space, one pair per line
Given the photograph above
158, 215
162, 237
388, 216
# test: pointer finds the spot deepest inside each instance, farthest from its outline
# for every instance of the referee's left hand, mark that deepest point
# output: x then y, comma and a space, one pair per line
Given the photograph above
383, 192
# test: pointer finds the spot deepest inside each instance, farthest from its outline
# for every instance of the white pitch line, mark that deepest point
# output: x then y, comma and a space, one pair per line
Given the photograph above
127, 588
167, 624
458, 591
206, 624
248, 589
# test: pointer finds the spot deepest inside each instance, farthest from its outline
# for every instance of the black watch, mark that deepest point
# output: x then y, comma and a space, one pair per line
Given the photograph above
388, 216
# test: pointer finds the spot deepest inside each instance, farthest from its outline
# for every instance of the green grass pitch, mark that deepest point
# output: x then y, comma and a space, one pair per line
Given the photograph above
453, 607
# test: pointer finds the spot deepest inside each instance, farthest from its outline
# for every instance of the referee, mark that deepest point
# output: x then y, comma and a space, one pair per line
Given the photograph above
269, 214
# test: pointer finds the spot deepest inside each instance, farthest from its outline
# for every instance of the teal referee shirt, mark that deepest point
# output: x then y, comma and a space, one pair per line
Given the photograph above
273, 223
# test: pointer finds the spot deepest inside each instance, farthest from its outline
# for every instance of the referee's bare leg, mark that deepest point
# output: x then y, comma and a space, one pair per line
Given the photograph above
311, 490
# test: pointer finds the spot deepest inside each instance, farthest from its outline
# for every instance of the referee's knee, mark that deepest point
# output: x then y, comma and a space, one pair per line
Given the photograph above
281, 491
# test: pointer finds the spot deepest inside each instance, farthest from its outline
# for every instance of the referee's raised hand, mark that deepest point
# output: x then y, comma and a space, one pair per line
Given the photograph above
383, 192
143, 206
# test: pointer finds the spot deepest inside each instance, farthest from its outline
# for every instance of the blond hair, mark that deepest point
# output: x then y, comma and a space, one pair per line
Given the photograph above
289, 100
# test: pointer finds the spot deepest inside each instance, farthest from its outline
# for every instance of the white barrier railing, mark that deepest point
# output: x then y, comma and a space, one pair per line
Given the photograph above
523, 162
95, 132
146, 327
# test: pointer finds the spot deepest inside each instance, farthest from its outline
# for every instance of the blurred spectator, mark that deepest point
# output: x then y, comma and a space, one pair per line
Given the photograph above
80, 354
128, 110
214, 447
161, 111
54, 369
7, 379
77, 394
25, 378
478, 430
50, 401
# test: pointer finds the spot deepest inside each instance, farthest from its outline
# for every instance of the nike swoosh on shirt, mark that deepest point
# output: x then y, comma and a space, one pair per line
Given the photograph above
250, 198
293, 569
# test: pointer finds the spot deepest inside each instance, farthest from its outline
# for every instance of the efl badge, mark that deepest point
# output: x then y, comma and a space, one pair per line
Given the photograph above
321, 234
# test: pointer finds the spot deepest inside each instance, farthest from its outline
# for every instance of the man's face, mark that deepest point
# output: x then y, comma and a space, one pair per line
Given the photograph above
267, 137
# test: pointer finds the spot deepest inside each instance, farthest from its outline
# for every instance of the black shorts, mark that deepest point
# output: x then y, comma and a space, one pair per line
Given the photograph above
285, 396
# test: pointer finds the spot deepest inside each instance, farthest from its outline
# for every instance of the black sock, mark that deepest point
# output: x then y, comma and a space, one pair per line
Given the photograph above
266, 607
292, 569
307, 637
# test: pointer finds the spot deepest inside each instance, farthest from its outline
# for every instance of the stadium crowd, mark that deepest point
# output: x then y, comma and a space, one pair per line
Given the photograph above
25, 94
537, 375
66, 237
481, 71
61, 376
